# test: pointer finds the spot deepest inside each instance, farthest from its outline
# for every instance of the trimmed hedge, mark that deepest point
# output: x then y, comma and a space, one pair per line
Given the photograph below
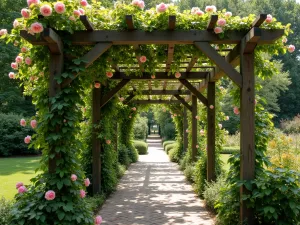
5, 209
170, 147
230, 150
141, 146
167, 143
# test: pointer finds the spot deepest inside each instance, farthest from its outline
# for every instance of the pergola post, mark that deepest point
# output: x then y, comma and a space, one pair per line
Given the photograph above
211, 132
194, 127
247, 98
185, 127
96, 145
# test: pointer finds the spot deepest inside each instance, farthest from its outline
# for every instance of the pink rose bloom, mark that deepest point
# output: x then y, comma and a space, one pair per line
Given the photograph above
143, 59
108, 142
19, 59
109, 74
22, 189
3, 32
32, 78
19, 184
14, 65
25, 13
84, 3
186, 130
36, 28
82, 193
97, 85
210, 8
46, 10
284, 40
227, 118
197, 146
228, 14
24, 49
211, 107
162, 7
291, 48
175, 114
23, 122
77, 13
50, 195
236, 110
72, 18
98, 220
141, 4
134, 109
35, 2
73, 177
194, 10
81, 11
202, 132
33, 124
218, 30
197, 117
153, 76
27, 139
269, 18
121, 99
177, 75
221, 22
200, 13
220, 126
12, 75
28, 61
135, 2
16, 24
129, 117
59, 7
87, 182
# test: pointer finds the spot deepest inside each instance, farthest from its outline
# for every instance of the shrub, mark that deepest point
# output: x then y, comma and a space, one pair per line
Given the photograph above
232, 140
121, 170
95, 202
291, 126
142, 147
140, 128
189, 173
167, 143
5, 208
212, 191
123, 155
175, 153
169, 131
12, 136
170, 146
230, 150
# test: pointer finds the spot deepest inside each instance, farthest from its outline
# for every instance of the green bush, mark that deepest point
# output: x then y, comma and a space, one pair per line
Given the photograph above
170, 146
140, 128
142, 147
5, 208
123, 155
169, 131
133, 154
167, 143
121, 170
230, 150
291, 126
175, 153
13, 134
95, 202
189, 173
212, 191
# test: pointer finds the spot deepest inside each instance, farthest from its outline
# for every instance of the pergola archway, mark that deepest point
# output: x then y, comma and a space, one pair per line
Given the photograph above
204, 78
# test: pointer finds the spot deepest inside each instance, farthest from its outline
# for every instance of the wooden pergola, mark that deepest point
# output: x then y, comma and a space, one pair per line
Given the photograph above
196, 78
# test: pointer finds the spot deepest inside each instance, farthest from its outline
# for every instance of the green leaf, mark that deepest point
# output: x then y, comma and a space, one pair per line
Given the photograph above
61, 215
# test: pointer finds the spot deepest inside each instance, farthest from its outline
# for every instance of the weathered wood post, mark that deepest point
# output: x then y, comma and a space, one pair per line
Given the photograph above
194, 127
185, 127
211, 131
96, 146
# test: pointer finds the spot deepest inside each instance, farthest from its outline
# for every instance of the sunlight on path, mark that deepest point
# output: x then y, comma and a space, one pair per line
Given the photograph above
154, 192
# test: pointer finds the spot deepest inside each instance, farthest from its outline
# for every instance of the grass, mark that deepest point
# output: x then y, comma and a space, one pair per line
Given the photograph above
13, 170
224, 158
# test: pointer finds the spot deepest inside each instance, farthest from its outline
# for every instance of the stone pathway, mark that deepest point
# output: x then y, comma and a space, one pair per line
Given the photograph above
154, 192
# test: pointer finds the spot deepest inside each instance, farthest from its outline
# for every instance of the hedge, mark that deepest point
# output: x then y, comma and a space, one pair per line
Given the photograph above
167, 143
230, 150
141, 146
170, 146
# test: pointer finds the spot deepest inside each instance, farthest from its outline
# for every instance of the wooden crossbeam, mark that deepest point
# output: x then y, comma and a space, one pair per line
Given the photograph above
195, 92
191, 64
112, 92
156, 102
259, 20
172, 22
211, 53
251, 39
129, 98
53, 41
129, 22
87, 23
163, 92
155, 37
189, 107
212, 22
161, 76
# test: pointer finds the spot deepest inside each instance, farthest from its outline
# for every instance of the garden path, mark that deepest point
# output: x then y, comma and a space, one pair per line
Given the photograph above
154, 192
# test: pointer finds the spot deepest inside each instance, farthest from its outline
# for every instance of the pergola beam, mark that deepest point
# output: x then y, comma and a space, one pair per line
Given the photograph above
156, 102
163, 92
189, 107
87, 23
161, 76
195, 92
259, 20
54, 41
129, 98
212, 22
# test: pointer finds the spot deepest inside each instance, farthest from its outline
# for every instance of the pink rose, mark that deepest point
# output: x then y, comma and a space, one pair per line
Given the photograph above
284, 40
33, 124
87, 182
24, 49
187, 131
202, 132
27, 139
23, 122
109, 74
59, 7
14, 65
291, 48
36, 28
3, 32
221, 22
108, 142
72, 18
269, 18
177, 75
12, 75
82, 193
46, 10
227, 118
141, 4
97, 85
210, 8
236, 110
22, 189
197, 117
200, 13
16, 23
81, 11
220, 126
143, 59
135, 2
77, 13
218, 30
194, 10
73, 177
28, 61
121, 99
129, 117
175, 114
25, 13
35, 2
50, 195
133, 109
19, 59
228, 14
84, 3
197, 146
162, 7
98, 220
19, 184
153, 76
211, 107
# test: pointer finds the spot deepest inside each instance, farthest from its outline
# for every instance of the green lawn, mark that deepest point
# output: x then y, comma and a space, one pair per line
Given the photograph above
13, 170
224, 158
